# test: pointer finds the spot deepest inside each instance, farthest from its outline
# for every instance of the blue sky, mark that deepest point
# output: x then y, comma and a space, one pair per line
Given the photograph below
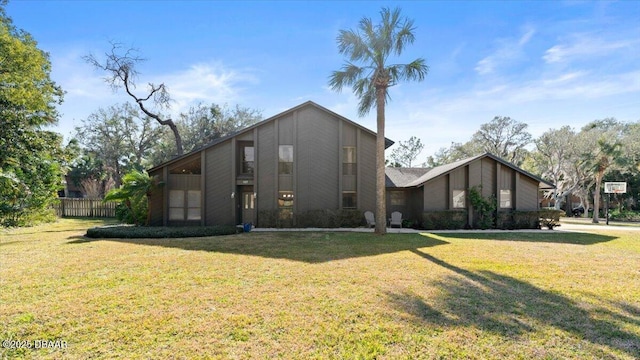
545, 63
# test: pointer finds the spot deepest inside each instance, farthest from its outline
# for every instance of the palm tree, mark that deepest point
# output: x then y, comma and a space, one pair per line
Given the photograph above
607, 155
134, 193
372, 45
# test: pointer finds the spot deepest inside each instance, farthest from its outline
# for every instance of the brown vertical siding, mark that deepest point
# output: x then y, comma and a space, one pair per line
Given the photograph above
527, 194
316, 161
506, 178
219, 185
348, 135
156, 201
285, 130
488, 177
475, 173
435, 194
184, 182
367, 172
267, 160
416, 201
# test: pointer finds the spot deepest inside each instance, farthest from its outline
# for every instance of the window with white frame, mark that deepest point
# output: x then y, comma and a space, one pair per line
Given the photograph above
505, 199
459, 199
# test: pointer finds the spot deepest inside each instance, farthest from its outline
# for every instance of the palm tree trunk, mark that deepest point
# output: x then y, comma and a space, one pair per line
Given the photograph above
596, 198
381, 201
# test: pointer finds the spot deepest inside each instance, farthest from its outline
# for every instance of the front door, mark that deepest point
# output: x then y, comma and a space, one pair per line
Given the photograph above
248, 207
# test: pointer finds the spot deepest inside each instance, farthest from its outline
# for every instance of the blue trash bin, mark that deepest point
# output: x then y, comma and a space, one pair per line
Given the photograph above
247, 227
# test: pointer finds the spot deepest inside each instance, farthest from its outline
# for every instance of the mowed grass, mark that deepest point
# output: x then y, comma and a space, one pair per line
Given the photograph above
548, 295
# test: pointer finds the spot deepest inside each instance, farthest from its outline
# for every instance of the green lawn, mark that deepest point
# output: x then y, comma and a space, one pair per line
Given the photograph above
549, 295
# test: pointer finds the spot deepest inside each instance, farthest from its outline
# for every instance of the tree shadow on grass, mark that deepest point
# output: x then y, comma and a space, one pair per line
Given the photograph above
298, 246
557, 237
510, 307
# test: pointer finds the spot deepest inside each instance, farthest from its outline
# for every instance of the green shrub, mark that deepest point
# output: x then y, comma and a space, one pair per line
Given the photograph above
484, 208
550, 218
125, 215
444, 220
139, 232
350, 218
281, 218
317, 219
321, 218
509, 220
618, 215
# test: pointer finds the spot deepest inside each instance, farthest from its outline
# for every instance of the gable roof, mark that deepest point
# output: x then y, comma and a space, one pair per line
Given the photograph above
387, 142
406, 180
399, 177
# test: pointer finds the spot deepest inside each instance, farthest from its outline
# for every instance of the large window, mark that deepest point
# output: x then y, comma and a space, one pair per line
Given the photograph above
397, 198
184, 205
247, 159
192, 167
349, 160
459, 199
505, 199
349, 200
285, 160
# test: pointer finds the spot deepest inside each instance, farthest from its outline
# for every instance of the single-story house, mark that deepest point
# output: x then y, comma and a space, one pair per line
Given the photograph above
415, 191
308, 159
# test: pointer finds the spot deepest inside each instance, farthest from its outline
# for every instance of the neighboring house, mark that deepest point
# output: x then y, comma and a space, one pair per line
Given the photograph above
414, 191
308, 159
304, 159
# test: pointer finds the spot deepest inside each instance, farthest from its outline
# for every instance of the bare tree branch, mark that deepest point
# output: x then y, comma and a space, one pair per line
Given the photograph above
122, 73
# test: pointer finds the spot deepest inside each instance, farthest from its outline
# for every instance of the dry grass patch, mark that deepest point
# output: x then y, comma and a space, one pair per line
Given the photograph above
322, 295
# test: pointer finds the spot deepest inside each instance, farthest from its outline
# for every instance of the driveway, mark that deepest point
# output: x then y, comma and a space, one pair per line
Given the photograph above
581, 224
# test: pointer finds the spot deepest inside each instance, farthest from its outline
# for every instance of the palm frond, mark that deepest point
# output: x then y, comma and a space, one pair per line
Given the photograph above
404, 36
349, 75
415, 70
367, 100
372, 44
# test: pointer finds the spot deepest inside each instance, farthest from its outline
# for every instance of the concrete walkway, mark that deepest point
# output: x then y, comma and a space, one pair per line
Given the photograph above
586, 224
574, 225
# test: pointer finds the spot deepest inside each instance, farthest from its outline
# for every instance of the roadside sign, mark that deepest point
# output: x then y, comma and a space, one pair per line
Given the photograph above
615, 187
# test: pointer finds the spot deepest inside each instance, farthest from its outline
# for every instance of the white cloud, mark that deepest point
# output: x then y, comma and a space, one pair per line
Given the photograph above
86, 90
585, 46
207, 83
508, 50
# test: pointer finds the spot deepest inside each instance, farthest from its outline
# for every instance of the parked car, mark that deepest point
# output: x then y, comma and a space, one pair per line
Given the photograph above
578, 211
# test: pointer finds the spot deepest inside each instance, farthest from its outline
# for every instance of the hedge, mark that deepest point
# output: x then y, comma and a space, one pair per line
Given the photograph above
139, 232
311, 219
444, 220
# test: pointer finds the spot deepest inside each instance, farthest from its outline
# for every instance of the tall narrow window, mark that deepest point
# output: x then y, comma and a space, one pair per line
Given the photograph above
193, 205
285, 160
247, 159
459, 199
176, 205
349, 160
248, 201
505, 199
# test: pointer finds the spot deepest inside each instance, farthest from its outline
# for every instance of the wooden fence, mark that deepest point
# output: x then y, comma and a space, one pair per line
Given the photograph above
70, 207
